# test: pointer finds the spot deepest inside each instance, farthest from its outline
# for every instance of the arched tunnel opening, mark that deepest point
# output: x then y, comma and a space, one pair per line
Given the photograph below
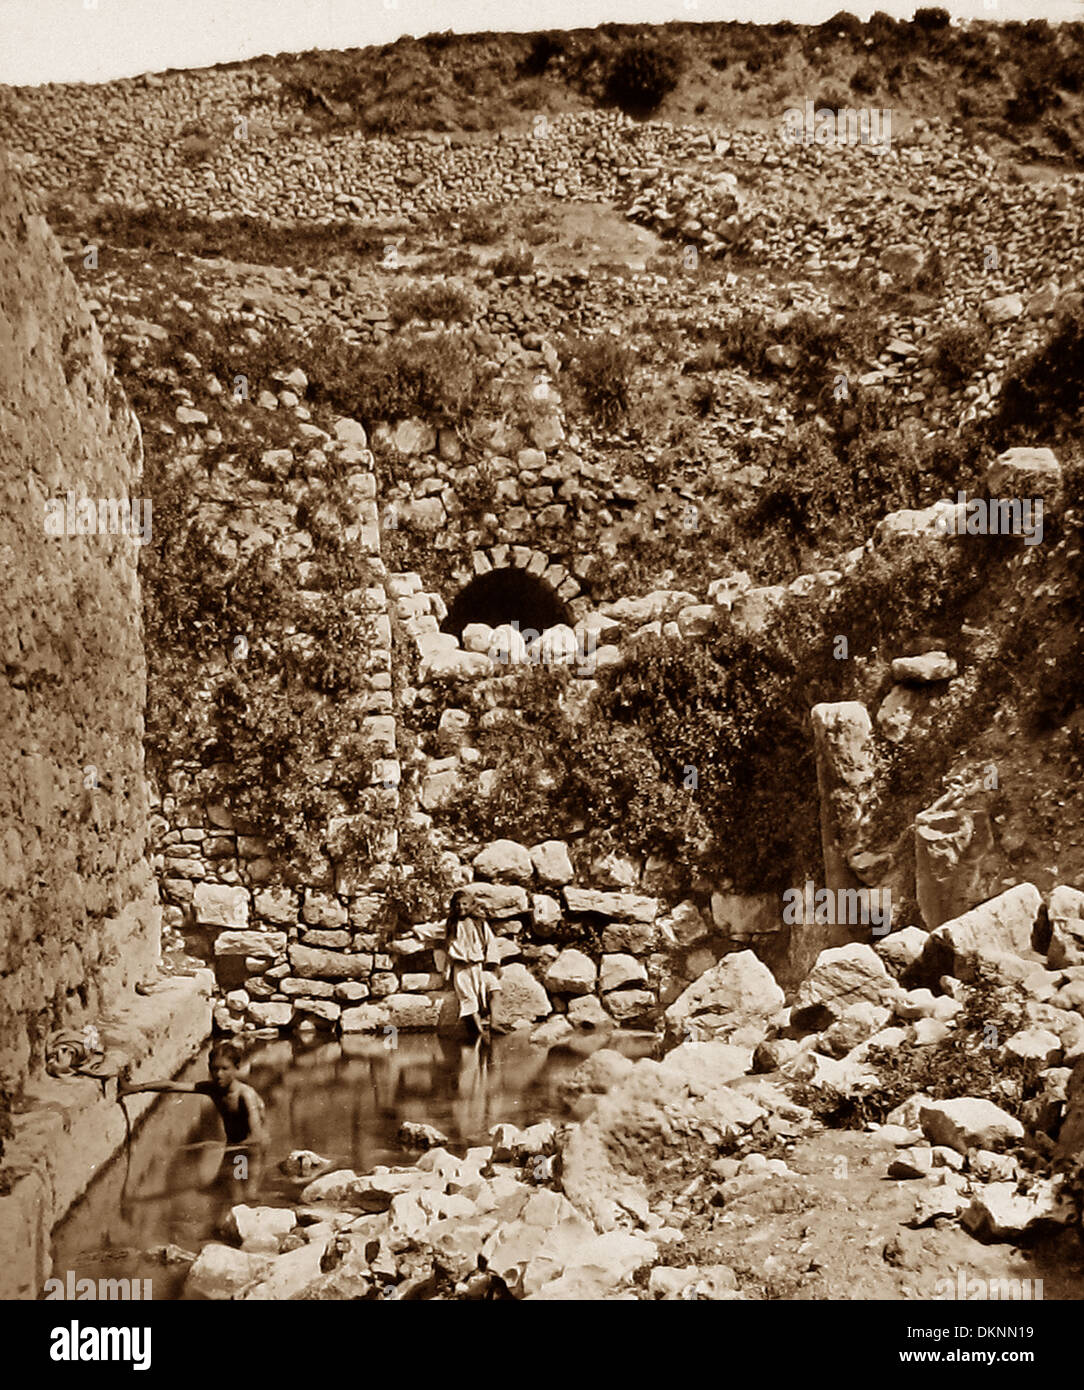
505, 596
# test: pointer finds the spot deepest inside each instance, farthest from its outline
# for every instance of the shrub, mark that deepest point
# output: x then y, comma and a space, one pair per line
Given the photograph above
1031, 102
436, 301
602, 368
1045, 395
930, 20
959, 351
641, 73
864, 81
483, 224
542, 51
435, 377
964, 1063
514, 263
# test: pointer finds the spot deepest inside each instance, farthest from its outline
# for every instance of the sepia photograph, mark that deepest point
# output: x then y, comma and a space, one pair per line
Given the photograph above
542, 721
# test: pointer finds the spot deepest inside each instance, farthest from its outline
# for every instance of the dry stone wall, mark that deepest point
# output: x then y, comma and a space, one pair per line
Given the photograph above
80, 914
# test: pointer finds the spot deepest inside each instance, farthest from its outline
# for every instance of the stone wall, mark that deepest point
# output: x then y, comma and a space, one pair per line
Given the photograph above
80, 915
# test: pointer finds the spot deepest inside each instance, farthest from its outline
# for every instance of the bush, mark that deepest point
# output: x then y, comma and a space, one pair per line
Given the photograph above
1045, 396
965, 1063
514, 263
864, 81
931, 20
434, 377
542, 51
959, 352
602, 368
438, 301
482, 225
641, 73
1031, 102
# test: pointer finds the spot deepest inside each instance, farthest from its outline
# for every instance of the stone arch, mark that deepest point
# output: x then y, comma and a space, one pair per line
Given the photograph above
508, 594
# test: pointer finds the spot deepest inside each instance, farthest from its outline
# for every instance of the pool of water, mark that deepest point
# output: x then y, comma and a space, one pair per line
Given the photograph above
345, 1100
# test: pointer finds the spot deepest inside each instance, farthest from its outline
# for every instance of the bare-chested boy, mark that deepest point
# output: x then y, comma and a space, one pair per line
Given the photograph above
239, 1104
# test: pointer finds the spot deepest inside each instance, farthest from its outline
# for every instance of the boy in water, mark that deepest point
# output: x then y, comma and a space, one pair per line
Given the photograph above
239, 1105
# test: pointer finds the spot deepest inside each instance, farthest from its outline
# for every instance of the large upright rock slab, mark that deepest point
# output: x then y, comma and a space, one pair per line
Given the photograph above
843, 742
79, 913
957, 864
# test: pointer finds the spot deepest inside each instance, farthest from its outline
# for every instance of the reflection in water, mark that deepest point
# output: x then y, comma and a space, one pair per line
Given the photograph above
345, 1100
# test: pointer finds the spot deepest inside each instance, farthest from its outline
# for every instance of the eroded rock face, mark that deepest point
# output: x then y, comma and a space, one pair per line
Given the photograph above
72, 797
957, 864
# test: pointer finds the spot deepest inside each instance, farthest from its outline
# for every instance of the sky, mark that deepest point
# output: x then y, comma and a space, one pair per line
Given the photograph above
97, 40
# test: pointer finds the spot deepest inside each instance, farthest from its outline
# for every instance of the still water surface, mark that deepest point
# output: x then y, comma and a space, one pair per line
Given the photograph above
345, 1100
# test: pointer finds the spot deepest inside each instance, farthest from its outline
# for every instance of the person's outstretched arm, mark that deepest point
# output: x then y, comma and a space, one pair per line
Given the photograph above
125, 1086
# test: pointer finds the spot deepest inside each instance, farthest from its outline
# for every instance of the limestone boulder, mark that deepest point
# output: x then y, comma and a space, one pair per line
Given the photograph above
924, 669
572, 972
477, 637
258, 1229
968, 1122
1024, 472
840, 978
1002, 1212
220, 905
503, 861
586, 1013
257, 945
599, 1266
520, 1001
220, 1271
594, 1076
733, 1001
551, 863
628, 907
901, 949
314, 963
619, 971
495, 901
995, 930
633, 1006
441, 667
1066, 914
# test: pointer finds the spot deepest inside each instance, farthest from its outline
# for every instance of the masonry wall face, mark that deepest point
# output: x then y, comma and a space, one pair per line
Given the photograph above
79, 914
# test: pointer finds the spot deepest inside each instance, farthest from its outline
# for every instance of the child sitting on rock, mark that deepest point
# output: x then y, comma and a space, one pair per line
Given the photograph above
471, 947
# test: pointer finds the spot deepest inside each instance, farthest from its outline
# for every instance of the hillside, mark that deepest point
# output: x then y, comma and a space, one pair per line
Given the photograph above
451, 354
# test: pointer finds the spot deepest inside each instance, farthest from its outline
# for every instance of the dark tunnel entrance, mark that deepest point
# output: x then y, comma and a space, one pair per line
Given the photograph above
505, 596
